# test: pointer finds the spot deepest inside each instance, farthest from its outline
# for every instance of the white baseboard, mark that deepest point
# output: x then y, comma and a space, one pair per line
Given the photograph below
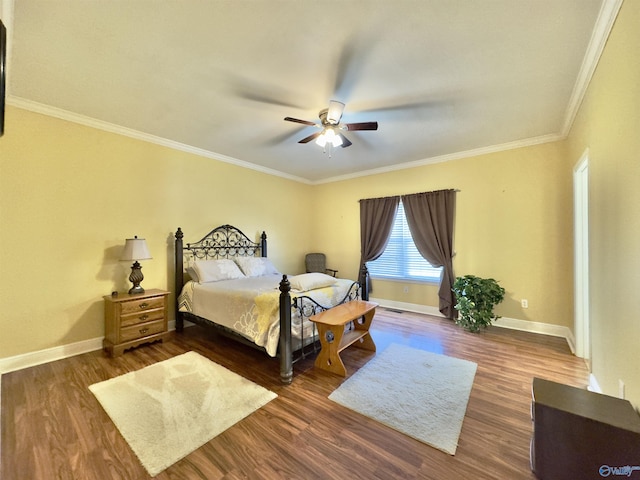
594, 386
503, 322
31, 359
407, 307
39, 357
538, 327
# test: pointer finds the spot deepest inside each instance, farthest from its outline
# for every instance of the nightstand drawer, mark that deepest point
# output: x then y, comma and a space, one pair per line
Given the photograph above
141, 330
141, 317
141, 305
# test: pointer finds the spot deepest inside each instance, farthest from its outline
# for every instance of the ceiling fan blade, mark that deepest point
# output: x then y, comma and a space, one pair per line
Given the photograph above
310, 137
361, 126
334, 114
345, 141
255, 97
304, 122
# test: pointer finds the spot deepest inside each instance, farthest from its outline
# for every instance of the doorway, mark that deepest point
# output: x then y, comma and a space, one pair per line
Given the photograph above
581, 257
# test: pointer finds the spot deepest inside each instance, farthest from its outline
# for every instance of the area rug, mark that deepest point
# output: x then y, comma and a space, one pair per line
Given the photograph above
421, 394
169, 409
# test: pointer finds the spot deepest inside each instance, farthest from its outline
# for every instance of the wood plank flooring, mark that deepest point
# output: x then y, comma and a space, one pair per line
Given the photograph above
53, 427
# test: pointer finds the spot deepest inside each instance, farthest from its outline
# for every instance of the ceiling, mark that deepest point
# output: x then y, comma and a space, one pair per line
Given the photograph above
443, 78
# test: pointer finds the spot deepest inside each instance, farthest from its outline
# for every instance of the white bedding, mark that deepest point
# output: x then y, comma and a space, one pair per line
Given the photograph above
250, 306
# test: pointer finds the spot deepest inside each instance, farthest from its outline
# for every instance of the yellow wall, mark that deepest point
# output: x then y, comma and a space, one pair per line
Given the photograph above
71, 194
608, 124
513, 223
69, 197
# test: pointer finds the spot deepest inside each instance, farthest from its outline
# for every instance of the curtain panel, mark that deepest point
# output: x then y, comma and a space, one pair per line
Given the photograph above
430, 217
376, 222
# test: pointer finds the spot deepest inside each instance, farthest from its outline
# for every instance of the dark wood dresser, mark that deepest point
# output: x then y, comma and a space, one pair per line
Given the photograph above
578, 434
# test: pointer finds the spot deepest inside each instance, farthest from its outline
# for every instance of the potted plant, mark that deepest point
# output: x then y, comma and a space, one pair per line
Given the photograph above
476, 298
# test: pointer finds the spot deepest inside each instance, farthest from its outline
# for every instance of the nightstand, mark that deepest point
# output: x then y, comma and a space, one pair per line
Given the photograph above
131, 320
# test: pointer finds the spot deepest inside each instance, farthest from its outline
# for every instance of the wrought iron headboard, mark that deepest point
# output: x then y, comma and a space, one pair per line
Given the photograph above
225, 241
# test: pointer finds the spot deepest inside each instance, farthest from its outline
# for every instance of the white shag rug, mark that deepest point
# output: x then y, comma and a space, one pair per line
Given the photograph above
421, 394
169, 409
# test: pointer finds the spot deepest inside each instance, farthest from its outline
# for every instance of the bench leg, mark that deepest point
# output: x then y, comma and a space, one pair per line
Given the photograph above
366, 342
329, 357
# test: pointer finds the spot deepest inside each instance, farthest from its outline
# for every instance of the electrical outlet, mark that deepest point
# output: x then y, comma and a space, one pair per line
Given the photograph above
525, 303
620, 388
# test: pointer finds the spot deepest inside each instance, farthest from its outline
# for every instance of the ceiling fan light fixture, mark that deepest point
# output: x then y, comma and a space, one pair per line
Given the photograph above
329, 136
334, 114
335, 140
330, 123
321, 140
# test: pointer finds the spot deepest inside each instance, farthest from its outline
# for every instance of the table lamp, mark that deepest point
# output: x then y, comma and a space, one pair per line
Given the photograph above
136, 249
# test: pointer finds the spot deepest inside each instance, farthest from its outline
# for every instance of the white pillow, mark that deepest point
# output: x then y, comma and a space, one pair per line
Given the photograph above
311, 281
193, 275
216, 270
256, 266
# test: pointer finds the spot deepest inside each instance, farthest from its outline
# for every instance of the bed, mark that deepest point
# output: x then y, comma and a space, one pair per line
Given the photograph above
226, 281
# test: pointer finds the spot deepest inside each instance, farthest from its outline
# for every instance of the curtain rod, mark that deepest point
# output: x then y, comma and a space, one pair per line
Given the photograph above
457, 190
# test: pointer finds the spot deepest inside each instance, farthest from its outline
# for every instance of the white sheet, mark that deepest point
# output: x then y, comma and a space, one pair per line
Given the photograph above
250, 306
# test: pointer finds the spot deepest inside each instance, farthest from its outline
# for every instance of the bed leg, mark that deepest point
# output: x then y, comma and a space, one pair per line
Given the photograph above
364, 282
179, 279
286, 360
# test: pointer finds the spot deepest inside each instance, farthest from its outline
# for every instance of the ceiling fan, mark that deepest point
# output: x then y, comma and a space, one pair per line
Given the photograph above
331, 126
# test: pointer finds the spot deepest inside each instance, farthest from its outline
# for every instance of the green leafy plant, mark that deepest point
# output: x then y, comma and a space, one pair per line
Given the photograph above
476, 298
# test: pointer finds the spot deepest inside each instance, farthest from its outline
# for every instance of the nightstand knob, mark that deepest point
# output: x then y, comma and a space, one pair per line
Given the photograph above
144, 330
143, 306
143, 317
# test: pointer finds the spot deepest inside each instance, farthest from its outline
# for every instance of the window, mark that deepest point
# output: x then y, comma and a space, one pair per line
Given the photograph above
401, 259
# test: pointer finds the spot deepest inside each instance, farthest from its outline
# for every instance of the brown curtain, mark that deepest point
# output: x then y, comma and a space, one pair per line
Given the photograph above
376, 222
430, 218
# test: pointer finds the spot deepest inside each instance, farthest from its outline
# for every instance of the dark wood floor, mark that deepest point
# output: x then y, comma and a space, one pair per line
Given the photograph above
53, 427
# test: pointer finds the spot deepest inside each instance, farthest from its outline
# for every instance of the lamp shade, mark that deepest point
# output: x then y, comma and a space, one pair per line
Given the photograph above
334, 114
135, 249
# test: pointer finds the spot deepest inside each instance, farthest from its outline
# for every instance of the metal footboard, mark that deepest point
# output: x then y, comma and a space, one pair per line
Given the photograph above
301, 308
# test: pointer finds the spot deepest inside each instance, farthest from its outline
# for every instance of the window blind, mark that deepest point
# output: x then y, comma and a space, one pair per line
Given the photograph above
401, 259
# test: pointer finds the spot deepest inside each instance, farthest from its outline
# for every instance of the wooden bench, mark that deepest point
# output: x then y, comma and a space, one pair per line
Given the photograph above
334, 337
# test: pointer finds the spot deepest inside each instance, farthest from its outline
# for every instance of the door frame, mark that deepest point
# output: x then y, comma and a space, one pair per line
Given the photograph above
581, 257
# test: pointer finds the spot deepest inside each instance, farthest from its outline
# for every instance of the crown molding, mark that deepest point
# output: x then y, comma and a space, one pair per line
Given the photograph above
599, 36
128, 132
146, 137
449, 157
